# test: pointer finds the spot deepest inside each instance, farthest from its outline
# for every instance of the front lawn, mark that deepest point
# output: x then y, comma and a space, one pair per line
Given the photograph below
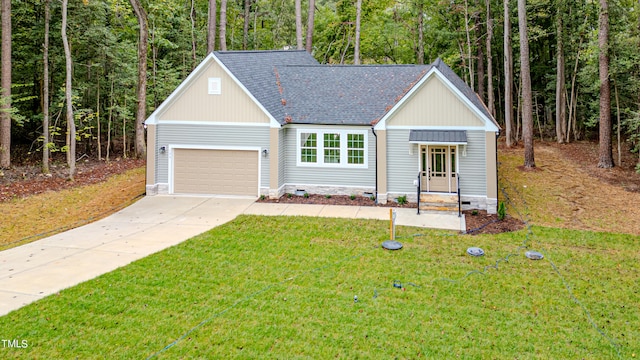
284, 287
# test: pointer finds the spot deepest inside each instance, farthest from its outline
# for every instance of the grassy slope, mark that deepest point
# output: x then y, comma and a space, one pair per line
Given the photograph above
33, 217
284, 288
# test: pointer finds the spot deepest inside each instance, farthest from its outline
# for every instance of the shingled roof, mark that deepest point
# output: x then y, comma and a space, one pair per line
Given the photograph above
256, 71
294, 88
347, 95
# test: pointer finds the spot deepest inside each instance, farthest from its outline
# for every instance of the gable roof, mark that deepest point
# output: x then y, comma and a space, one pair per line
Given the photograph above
293, 88
256, 70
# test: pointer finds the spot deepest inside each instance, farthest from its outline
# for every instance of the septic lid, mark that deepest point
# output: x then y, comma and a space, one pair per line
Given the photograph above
475, 251
392, 245
533, 255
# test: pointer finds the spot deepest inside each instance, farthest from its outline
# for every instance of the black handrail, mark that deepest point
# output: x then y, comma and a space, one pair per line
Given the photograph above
419, 173
459, 202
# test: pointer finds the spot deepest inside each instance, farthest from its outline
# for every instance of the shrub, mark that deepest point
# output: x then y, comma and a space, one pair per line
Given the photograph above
328, 196
402, 199
289, 195
502, 211
474, 212
262, 197
352, 197
306, 195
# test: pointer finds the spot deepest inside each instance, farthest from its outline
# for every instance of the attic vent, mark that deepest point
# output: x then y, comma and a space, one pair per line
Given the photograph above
214, 86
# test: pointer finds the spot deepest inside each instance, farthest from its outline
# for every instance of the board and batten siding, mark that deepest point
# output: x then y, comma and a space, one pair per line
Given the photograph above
282, 156
194, 103
333, 176
210, 136
403, 163
435, 105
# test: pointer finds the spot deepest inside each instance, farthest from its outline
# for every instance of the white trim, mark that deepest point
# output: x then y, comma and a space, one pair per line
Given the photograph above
410, 127
331, 186
489, 125
214, 86
175, 95
171, 165
212, 123
457, 169
344, 133
437, 143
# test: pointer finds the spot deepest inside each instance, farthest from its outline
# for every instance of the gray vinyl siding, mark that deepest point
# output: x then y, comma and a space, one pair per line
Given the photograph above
308, 175
210, 135
473, 167
402, 167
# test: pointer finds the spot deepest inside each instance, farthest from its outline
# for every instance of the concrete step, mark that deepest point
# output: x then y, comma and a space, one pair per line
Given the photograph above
439, 199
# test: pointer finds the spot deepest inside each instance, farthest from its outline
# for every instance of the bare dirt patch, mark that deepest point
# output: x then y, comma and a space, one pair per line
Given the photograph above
27, 180
568, 189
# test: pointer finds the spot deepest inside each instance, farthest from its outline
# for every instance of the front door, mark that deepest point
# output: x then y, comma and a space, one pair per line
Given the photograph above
438, 168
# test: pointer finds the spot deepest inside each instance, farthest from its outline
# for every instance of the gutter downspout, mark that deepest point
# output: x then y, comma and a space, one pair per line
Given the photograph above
376, 136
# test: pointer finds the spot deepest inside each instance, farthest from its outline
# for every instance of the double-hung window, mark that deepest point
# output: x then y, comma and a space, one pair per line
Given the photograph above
332, 148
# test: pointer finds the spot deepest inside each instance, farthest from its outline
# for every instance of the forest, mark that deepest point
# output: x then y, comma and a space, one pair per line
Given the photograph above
79, 77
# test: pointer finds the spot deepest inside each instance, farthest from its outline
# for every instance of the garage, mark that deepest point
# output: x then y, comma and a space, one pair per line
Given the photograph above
215, 172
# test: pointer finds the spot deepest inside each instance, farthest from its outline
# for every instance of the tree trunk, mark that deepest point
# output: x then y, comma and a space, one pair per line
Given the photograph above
71, 126
525, 75
141, 109
561, 100
470, 61
5, 84
480, 55
605, 156
245, 29
310, 24
299, 44
356, 55
45, 90
211, 28
223, 25
615, 88
194, 53
490, 97
508, 76
420, 54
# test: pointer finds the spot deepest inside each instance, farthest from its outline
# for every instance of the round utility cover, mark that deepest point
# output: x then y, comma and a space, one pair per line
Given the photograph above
392, 245
475, 251
534, 255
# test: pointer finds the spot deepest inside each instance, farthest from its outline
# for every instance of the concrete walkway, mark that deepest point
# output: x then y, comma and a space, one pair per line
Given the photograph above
44, 267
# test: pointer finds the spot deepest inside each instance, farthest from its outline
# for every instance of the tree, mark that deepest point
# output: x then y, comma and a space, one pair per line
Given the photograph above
605, 155
223, 25
561, 127
211, 28
299, 44
525, 75
245, 28
310, 23
71, 125
490, 99
356, 55
5, 84
141, 91
508, 76
420, 50
45, 90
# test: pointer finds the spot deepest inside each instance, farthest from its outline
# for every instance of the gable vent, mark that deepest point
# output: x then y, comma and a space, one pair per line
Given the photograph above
214, 86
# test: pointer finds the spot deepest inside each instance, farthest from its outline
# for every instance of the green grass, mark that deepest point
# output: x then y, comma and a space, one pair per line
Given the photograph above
284, 287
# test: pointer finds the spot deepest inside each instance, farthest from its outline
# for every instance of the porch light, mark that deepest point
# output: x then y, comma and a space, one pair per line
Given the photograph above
163, 149
265, 152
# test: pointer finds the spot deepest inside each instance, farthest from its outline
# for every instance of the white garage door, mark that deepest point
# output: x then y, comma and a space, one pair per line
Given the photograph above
215, 172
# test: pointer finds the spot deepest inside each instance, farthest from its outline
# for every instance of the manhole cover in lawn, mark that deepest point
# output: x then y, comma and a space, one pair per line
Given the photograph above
534, 255
475, 251
391, 245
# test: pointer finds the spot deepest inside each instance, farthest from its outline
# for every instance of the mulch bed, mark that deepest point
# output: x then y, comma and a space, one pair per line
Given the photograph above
478, 222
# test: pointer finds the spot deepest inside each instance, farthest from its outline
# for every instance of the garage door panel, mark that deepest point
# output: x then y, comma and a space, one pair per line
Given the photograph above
216, 172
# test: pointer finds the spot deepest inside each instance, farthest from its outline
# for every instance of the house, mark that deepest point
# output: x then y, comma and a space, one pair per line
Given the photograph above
267, 123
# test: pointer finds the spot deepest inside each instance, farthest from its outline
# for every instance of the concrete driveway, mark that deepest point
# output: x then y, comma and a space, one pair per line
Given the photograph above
44, 267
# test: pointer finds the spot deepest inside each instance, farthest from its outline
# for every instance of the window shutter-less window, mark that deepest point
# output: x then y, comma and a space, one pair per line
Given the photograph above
214, 86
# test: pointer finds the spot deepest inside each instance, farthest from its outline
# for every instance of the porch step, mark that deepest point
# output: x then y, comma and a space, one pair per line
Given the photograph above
437, 202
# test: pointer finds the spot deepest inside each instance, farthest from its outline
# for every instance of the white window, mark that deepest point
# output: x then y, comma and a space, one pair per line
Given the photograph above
332, 148
214, 86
